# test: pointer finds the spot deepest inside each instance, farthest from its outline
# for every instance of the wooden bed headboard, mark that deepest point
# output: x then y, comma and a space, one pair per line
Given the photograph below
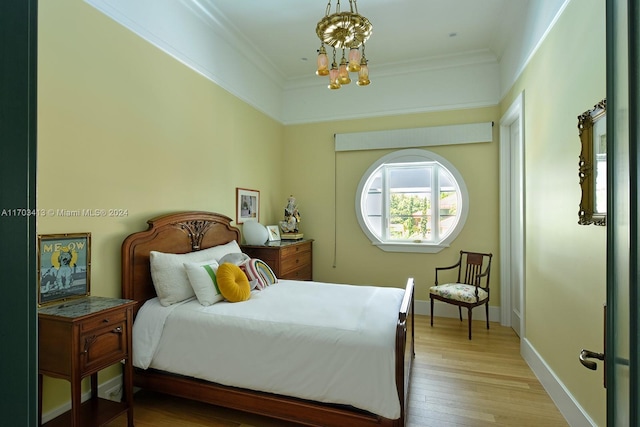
176, 233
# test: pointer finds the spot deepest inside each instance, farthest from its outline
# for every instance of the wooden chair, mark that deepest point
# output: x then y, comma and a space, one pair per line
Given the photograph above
471, 289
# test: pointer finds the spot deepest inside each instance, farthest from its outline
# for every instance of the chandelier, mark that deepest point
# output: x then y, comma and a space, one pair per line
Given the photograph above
342, 31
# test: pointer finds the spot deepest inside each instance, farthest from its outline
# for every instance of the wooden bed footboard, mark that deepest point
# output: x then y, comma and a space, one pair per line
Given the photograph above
190, 231
405, 347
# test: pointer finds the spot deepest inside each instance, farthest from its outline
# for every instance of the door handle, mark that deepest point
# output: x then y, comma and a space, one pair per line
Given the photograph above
588, 354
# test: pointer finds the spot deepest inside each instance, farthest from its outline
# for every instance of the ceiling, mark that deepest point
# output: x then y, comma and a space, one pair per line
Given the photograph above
424, 55
404, 31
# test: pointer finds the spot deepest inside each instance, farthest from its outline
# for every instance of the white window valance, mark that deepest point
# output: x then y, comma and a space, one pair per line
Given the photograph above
416, 137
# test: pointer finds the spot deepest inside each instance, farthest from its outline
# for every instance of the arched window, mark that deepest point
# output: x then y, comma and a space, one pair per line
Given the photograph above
412, 201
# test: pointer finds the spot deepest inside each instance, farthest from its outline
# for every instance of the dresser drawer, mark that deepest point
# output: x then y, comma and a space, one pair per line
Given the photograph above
291, 251
294, 262
303, 273
100, 347
103, 320
288, 260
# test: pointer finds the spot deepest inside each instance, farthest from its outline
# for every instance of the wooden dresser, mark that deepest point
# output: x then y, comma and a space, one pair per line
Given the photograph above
289, 259
79, 338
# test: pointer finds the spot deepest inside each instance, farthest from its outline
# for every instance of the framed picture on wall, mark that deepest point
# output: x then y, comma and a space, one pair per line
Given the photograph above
247, 205
64, 267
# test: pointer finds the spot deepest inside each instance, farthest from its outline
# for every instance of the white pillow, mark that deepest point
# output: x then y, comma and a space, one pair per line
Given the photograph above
169, 277
217, 252
234, 258
202, 277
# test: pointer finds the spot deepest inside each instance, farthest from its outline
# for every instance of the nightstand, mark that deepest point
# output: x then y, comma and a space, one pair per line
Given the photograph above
79, 338
288, 259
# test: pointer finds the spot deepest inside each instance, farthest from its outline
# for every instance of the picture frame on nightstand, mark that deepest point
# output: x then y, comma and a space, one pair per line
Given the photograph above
274, 233
64, 267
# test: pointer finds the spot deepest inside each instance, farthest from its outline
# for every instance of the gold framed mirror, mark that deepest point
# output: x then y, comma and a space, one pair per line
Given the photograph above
592, 167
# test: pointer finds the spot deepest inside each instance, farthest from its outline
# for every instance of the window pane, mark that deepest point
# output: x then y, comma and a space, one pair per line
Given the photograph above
448, 202
410, 202
373, 203
374, 212
403, 177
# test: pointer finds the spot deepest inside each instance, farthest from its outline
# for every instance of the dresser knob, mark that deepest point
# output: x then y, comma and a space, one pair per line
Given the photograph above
117, 330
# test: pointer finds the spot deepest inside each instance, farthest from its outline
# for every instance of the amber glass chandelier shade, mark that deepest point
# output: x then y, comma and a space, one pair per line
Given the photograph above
334, 75
343, 72
354, 59
363, 74
323, 62
343, 30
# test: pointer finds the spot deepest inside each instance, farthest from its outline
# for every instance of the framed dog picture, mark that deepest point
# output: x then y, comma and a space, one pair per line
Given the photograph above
64, 267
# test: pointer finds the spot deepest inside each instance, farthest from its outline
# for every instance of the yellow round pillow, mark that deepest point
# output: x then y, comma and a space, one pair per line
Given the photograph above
233, 283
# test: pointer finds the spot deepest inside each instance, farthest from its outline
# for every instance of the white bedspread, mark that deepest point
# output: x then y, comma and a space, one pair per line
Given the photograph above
324, 342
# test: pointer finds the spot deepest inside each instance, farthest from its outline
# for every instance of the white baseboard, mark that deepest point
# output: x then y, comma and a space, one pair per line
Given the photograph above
569, 408
442, 309
111, 389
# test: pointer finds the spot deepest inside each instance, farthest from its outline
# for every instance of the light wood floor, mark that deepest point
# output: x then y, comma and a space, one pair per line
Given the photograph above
454, 383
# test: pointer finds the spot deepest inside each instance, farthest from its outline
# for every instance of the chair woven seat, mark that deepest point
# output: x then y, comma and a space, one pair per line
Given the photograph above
459, 292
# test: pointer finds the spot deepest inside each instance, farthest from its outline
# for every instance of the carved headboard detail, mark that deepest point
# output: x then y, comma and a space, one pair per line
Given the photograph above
195, 230
176, 233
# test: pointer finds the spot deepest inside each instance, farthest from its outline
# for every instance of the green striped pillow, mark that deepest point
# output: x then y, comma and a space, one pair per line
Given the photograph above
202, 277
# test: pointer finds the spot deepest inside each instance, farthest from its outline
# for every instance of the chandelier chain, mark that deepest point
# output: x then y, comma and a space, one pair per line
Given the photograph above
354, 6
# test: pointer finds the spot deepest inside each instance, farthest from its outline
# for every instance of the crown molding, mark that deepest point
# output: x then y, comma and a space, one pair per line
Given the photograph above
198, 35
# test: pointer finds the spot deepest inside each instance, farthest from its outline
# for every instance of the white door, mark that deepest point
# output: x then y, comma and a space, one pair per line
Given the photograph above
516, 279
621, 352
623, 239
512, 217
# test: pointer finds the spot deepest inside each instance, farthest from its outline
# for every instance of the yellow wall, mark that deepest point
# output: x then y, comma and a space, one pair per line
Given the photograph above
565, 262
323, 180
123, 125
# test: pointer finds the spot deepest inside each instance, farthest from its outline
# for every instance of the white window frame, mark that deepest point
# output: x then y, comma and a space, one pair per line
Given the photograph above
413, 156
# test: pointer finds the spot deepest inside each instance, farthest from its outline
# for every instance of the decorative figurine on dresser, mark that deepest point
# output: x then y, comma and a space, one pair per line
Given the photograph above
290, 257
289, 226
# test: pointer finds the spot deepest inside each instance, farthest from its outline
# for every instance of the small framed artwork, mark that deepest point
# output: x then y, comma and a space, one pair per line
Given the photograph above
274, 232
64, 267
247, 205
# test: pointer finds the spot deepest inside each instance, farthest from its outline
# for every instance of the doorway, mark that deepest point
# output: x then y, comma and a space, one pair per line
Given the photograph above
512, 216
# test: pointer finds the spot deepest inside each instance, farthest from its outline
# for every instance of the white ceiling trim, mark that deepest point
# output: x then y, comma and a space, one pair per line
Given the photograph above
203, 45
401, 69
213, 47
227, 30
541, 17
433, 90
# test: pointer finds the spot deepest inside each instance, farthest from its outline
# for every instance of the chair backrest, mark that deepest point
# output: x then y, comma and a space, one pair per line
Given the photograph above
476, 266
